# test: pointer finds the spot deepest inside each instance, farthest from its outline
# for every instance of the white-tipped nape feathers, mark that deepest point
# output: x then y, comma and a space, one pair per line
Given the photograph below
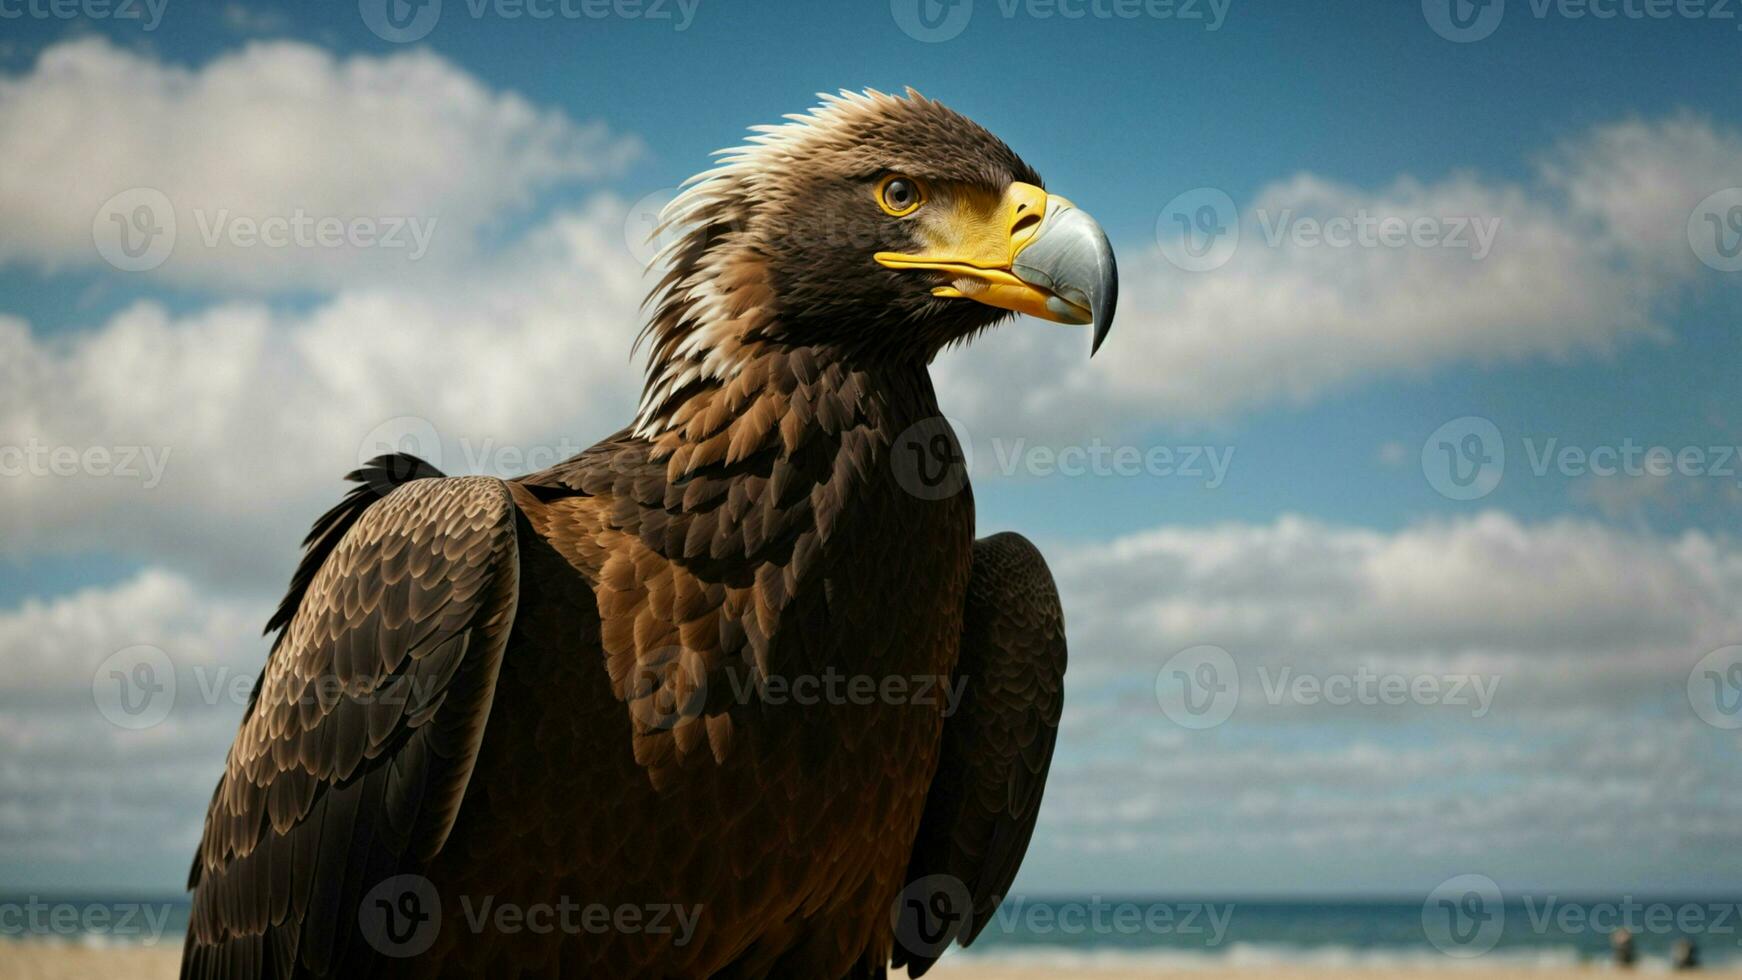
701, 311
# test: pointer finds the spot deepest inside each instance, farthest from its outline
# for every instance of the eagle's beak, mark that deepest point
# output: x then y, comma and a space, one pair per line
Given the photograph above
1030, 252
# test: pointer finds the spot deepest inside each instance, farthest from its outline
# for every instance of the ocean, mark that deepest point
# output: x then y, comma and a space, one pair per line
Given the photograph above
1066, 932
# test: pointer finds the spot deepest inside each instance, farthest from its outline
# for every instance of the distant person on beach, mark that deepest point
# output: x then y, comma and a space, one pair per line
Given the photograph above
1684, 955
1621, 942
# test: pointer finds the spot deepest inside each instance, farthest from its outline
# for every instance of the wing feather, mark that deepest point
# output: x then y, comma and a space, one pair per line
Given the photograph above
997, 748
356, 748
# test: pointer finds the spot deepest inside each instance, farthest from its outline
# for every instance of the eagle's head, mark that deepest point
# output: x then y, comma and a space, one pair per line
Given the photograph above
876, 227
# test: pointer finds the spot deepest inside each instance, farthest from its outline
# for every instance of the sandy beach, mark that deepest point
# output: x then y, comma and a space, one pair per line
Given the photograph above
991, 972
40, 961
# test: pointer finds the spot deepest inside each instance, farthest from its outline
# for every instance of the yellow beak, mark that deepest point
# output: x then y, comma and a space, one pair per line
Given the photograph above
1029, 252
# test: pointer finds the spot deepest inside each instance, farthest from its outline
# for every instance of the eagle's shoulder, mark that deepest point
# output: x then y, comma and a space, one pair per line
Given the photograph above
357, 746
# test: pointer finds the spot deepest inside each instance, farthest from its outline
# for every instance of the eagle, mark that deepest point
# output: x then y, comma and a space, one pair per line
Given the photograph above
733, 693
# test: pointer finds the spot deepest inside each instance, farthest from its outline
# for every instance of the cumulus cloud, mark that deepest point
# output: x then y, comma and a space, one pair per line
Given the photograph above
1592, 633
81, 794
1589, 632
252, 416
1478, 582
1583, 259
275, 130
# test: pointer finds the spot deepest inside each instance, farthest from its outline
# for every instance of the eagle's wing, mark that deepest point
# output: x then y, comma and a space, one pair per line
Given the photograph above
360, 737
996, 749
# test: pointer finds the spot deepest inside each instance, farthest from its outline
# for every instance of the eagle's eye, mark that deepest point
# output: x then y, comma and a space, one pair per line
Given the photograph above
899, 196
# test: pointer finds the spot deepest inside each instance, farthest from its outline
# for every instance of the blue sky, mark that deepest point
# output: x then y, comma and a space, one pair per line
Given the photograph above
1592, 144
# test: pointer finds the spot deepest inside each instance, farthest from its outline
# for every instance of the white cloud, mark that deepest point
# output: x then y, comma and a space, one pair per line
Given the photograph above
1585, 259
1639, 182
1592, 630
85, 795
1567, 602
255, 415
277, 129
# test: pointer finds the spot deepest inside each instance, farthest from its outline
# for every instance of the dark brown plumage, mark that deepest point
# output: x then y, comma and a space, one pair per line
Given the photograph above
565, 688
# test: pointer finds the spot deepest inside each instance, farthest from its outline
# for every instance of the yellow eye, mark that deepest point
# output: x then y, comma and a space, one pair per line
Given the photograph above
899, 196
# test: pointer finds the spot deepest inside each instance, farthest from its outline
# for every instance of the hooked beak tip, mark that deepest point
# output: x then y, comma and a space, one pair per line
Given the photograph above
1073, 259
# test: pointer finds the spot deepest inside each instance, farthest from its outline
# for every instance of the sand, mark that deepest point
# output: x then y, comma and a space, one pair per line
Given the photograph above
39, 961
